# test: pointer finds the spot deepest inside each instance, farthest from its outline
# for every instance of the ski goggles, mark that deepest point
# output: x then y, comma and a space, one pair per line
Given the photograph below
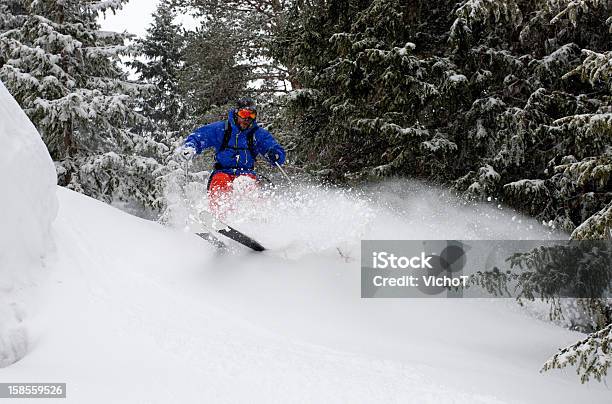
247, 113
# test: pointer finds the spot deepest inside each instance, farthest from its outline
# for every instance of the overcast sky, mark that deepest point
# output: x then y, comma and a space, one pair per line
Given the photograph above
135, 17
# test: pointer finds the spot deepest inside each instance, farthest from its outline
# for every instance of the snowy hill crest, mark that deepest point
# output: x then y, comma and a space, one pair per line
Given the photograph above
27, 209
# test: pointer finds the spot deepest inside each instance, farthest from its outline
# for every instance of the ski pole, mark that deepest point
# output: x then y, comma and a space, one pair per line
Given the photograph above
268, 180
283, 171
185, 198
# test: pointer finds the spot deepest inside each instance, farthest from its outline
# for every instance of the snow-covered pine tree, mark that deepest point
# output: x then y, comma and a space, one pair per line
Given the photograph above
253, 24
12, 14
484, 97
212, 76
561, 120
598, 226
373, 78
64, 73
162, 51
561, 138
485, 107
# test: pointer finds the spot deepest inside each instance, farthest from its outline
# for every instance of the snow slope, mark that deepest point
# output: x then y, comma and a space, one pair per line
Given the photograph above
135, 312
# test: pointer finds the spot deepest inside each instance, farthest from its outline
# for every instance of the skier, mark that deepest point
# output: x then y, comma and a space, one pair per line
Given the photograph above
237, 142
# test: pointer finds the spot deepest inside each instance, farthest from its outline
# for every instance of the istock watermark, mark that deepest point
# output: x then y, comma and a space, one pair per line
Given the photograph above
384, 260
485, 268
412, 268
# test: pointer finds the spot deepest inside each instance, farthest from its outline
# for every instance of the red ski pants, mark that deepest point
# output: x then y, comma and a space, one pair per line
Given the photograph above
219, 187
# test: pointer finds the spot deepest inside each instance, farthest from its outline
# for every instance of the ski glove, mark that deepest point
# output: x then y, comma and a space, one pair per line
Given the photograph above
273, 156
186, 152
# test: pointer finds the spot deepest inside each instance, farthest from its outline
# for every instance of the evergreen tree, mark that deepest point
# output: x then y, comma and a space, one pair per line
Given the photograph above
469, 93
253, 25
212, 76
163, 50
366, 86
64, 73
12, 14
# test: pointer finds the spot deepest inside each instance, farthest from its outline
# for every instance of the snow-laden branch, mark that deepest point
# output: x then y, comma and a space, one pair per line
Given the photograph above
592, 355
596, 67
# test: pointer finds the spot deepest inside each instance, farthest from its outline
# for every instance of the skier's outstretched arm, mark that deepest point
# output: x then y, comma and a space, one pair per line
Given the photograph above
268, 147
203, 138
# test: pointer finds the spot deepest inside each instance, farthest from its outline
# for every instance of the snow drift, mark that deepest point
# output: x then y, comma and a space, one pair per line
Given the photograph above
27, 209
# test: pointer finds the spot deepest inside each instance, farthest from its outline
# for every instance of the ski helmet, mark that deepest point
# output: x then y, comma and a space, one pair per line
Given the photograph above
247, 103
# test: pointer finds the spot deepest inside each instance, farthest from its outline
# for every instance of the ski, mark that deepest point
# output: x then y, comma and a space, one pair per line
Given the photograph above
242, 238
213, 240
213, 224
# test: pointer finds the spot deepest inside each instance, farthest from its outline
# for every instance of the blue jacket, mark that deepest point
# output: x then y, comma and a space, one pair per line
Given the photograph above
236, 158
